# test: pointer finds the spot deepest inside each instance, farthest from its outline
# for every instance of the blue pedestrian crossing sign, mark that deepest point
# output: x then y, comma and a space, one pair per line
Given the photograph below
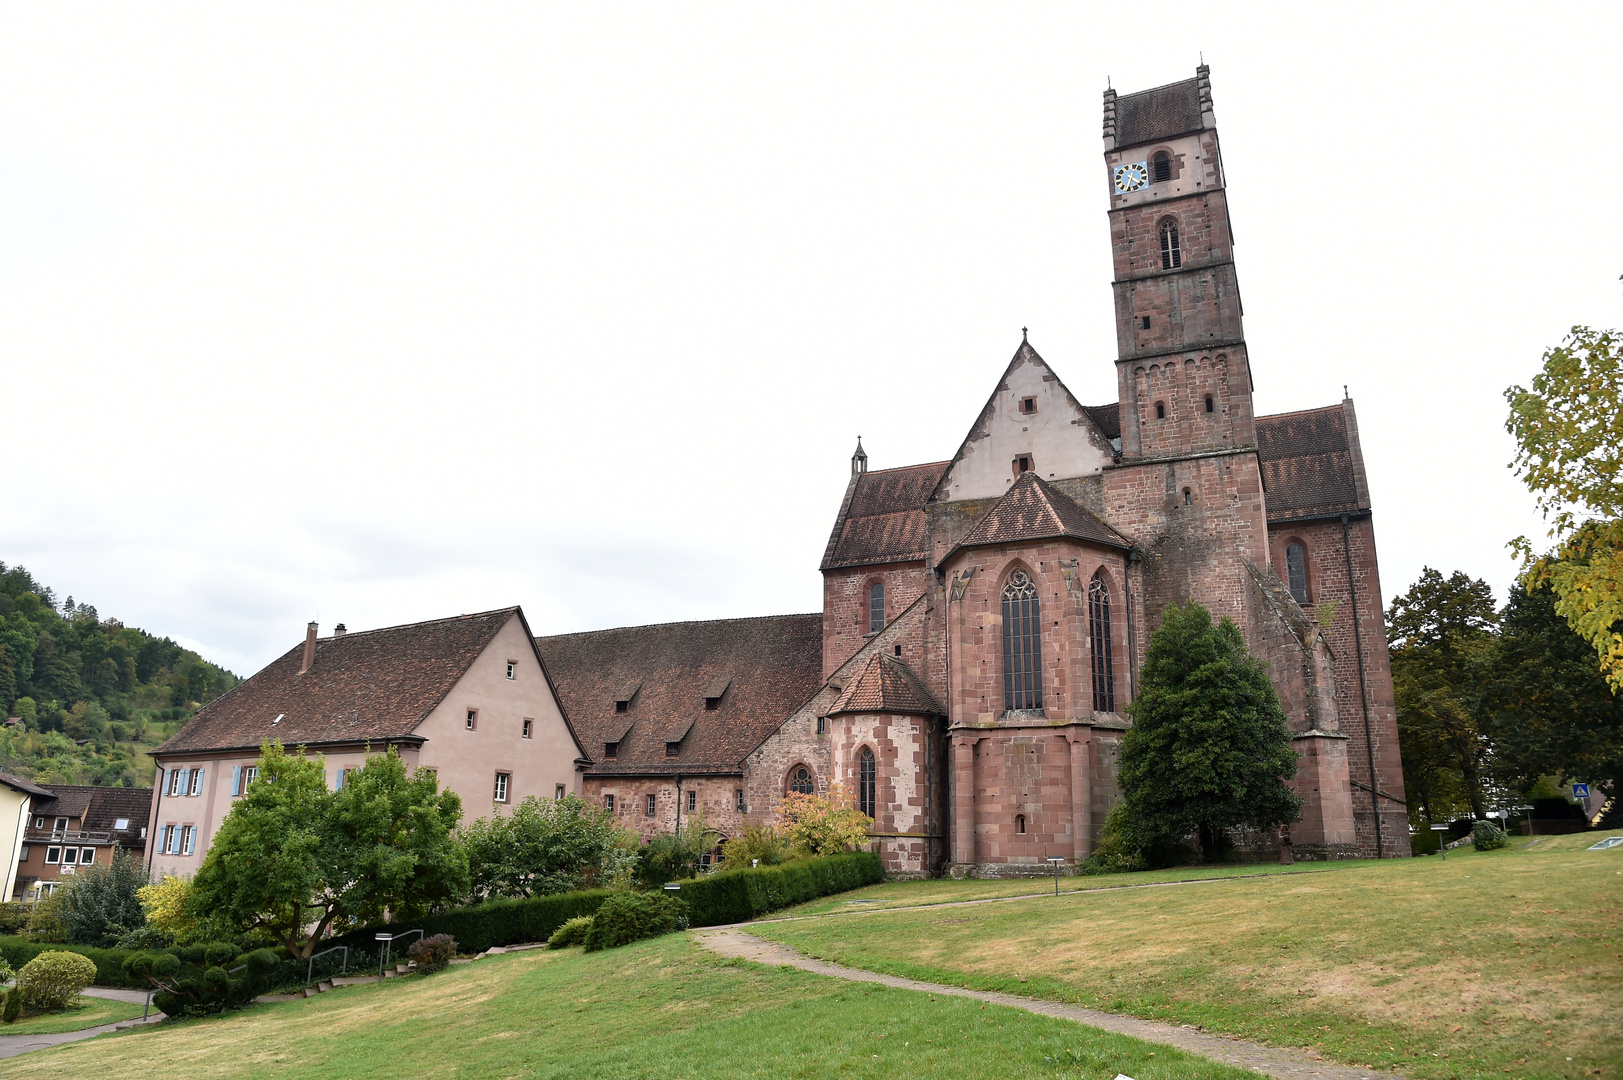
1580, 791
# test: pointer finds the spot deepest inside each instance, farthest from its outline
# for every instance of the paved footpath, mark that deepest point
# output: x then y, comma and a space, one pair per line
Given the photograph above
1285, 1064
12, 1045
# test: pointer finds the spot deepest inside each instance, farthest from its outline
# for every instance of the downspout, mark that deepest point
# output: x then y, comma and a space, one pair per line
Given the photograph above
945, 755
1363, 693
1128, 562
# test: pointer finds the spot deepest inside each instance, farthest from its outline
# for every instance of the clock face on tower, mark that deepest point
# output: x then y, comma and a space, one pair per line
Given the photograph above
1132, 177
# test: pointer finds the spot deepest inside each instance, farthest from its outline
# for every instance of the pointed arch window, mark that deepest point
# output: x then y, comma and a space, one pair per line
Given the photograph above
876, 607
867, 782
1171, 250
1296, 572
801, 782
1022, 645
1104, 670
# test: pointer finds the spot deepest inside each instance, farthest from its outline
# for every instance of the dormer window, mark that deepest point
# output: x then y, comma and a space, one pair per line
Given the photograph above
611, 749
711, 704
621, 706
672, 749
1022, 464
1161, 167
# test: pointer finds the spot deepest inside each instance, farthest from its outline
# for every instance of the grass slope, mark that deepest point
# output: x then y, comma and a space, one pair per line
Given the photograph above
90, 1012
665, 1008
1494, 964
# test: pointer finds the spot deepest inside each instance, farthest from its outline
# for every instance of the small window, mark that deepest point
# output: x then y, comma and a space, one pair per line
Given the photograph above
611, 749
473, 719
1296, 572
1171, 252
1162, 165
188, 837
53, 855
1160, 410
801, 782
738, 800
1188, 497
1022, 464
197, 782
822, 725
672, 749
1019, 823
558, 792
249, 772
70, 856
22, 853
512, 669
1145, 322
876, 607
503, 780
120, 824
529, 729
711, 704
39, 823
1028, 405
693, 801
1210, 406
648, 809
608, 803
621, 706
61, 825
898, 650
87, 856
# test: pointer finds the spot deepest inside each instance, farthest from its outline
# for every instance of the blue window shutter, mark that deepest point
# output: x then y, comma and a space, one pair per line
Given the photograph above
236, 780
338, 782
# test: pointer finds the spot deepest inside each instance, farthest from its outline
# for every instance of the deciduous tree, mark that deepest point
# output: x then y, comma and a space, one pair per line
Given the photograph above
546, 846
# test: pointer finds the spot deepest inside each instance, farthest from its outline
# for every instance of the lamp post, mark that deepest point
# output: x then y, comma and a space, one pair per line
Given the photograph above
1441, 831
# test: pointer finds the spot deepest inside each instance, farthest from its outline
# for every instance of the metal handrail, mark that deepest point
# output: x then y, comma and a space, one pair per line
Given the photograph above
388, 946
310, 968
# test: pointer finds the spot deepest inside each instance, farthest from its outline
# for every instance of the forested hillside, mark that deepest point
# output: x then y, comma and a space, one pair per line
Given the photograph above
93, 694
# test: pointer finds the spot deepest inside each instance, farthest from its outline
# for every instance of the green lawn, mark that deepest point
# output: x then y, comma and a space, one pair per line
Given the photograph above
665, 1009
1497, 964
89, 1012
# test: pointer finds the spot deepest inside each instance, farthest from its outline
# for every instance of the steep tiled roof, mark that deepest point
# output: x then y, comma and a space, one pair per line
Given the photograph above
883, 520
1032, 509
17, 783
369, 684
886, 685
769, 665
1308, 464
101, 808
1108, 417
1161, 113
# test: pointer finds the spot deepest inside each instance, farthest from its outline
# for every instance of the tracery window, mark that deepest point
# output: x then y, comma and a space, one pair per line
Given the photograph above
876, 607
1296, 572
1104, 672
801, 782
1171, 252
867, 781
1022, 645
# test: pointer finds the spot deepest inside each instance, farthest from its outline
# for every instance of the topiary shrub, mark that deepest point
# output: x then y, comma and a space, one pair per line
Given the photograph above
432, 954
13, 1006
627, 917
570, 933
52, 979
1486, 836
203, 979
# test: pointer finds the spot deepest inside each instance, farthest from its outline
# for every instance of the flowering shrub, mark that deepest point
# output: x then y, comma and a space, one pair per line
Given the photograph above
432, 953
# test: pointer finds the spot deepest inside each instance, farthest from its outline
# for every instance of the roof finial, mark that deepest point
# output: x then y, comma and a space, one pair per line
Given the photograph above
1344, 394
1022, 335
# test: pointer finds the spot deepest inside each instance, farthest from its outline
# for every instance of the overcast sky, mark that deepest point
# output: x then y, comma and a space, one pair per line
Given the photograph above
381, 313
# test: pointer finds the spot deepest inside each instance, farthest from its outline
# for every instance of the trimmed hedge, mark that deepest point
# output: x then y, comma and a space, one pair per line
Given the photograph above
18, 951
731, 896
495, 922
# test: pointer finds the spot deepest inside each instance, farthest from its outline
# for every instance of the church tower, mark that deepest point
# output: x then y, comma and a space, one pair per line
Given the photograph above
1181, 361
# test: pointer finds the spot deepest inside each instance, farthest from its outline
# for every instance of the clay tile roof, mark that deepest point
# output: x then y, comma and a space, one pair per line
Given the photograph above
1032, 509
99, 808
17, 783
1161, 113
368, 684
883, 520
1108, 417
1308, 464
773, 665
70, 800
886, 685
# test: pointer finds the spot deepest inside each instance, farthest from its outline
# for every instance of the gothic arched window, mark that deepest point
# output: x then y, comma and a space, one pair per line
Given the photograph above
1022, 645
876, 607
1296, 572
1104, 671
801, 782
1161, 167
1171, 252
867, 782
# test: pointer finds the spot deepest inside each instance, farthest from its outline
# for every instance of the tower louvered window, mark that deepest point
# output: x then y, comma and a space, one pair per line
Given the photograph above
1162, 166
1171, 252
1296, 572
1022, 645
867, 781
1104, 672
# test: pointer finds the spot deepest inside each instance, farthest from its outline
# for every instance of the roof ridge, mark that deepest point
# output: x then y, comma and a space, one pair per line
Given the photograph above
1164, 86
680, 622
423, 622
1300, 412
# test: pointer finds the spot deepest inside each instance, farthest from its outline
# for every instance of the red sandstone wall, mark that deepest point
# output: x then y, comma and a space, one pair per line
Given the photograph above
845, 605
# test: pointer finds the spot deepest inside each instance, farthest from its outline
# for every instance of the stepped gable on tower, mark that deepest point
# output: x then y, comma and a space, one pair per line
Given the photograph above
1162, 113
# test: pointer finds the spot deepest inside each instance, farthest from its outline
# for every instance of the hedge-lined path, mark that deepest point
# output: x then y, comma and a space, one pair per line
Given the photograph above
1284, 1064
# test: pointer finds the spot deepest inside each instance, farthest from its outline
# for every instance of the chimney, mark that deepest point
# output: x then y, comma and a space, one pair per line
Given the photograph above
340, 630
309, 648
